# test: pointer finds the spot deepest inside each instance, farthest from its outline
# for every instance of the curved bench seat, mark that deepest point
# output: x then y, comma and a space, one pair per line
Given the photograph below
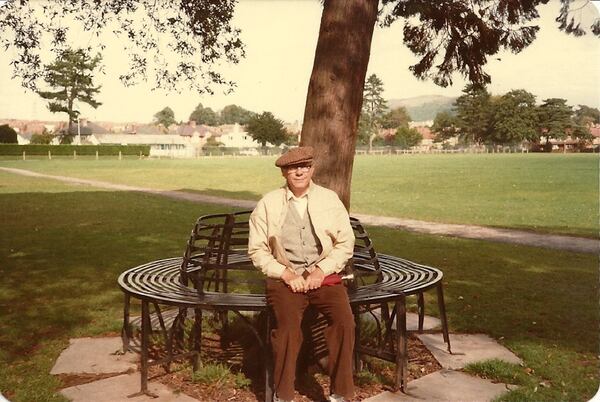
205, 279
160, 282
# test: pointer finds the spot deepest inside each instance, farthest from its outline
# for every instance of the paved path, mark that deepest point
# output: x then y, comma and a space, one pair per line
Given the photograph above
557, 242
117, 376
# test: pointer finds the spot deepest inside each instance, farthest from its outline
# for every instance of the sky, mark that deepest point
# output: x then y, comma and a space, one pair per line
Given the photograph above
280, 38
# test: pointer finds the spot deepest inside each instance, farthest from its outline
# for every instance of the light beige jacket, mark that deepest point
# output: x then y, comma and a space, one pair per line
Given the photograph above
330, 221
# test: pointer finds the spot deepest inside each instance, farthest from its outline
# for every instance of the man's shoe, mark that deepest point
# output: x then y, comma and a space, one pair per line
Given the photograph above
277, 399
337, 398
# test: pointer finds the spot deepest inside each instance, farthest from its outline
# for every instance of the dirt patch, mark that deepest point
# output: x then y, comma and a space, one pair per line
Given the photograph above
312, 385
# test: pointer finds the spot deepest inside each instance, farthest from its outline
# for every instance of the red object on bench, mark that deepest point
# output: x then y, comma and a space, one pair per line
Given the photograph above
334, 279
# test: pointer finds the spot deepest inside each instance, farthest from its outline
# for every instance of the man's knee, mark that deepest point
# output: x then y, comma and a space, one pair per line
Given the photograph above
288, 322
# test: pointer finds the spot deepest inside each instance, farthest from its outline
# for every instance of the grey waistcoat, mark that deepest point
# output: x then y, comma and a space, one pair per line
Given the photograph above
301, 245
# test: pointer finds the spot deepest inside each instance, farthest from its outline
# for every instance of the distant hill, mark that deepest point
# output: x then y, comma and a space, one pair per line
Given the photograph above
422, 108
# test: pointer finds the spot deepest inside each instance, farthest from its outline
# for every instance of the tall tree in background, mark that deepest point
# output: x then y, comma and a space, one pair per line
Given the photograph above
407, 137
453, 36
583, 118
373, 109
266, 128
445, 126
204, 115
554, 119
473, 114
514, 118
232, 114
164, 118
71, 78
396, 118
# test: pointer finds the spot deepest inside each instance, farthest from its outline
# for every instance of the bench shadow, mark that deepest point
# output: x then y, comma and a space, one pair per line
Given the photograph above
238, 347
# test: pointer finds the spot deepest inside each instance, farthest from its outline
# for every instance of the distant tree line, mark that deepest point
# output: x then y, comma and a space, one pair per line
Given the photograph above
480, 118
231, 114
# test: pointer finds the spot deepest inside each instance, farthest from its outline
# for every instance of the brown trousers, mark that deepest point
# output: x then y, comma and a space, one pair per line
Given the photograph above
286, 338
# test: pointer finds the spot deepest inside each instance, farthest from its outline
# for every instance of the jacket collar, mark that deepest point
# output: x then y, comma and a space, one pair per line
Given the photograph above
289, 195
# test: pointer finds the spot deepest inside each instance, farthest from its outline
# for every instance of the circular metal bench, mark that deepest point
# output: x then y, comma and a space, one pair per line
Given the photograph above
214, 265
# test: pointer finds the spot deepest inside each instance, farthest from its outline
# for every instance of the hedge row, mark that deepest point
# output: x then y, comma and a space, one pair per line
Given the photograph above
103, 150
216, 150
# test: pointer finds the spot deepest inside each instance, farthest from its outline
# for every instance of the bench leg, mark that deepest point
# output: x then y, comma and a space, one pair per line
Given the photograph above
197, 335
357, 359
146, 327
126, 334
442, 308
401, 347
268, 360
421, 309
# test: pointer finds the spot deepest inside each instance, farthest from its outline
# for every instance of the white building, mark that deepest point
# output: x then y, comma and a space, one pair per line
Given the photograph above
165, 145
234, 136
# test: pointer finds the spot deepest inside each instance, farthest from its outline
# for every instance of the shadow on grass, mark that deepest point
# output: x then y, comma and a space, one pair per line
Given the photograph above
514, 293
236, 195
61, 255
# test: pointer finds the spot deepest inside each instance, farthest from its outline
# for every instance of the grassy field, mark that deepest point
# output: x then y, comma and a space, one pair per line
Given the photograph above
542, 192
62, 248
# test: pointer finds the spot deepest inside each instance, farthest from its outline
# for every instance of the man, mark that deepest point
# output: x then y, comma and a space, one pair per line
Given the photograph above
299, 234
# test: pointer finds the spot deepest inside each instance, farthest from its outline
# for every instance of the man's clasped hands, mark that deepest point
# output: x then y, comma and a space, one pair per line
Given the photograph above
299, 284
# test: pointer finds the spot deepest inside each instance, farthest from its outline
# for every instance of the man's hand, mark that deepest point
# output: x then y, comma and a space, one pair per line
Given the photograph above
315, 279
294, 281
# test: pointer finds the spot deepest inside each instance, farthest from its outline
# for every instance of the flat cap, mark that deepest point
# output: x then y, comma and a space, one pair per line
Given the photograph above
295, 156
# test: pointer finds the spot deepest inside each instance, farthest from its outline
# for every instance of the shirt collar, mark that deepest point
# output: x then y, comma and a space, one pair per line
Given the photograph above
289, 195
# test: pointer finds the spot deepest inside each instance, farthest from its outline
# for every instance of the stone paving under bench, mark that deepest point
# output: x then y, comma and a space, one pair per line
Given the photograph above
101, 356
466, 349
445, 385
95, 356
119, 388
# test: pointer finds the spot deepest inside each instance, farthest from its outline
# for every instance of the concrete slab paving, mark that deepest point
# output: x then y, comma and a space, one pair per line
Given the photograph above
119, 388
94, 356
466, 348
429, 322
445, 385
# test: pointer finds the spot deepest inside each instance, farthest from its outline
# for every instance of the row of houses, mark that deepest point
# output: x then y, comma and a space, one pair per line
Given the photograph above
180, 141
187, 140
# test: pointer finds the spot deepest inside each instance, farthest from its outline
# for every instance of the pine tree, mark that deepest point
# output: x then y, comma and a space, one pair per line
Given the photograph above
374, 107
71, 78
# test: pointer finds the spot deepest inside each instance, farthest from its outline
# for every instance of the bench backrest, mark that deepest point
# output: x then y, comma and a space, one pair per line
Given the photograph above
216, 256
364, 263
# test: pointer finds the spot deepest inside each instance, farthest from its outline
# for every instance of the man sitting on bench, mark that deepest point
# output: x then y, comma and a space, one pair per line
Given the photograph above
300, 236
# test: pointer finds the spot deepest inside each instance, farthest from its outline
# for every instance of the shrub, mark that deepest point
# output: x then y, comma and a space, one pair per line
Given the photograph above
7, 135
41, 139
218, 375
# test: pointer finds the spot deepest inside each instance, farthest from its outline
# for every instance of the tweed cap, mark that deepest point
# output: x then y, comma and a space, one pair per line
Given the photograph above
295, 156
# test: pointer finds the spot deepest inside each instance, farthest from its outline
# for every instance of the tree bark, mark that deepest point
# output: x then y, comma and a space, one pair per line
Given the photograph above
335, 90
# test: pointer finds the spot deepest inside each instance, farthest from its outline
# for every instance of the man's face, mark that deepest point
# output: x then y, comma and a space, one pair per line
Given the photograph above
298, 177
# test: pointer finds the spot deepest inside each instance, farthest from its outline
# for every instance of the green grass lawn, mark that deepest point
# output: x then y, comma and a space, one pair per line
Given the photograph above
542, 192
62, 248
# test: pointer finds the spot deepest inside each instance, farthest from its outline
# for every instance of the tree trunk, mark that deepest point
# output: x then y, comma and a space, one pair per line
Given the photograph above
371, 138
335, 90
70, 113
